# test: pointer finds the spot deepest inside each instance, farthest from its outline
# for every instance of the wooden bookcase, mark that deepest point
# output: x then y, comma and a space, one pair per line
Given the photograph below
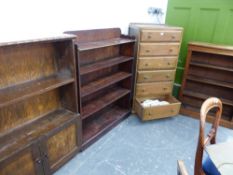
105, 73
208, 73
39, 121
157, 53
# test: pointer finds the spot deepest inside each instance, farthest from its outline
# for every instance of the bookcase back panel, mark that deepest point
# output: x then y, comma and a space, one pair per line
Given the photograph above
61, 144
96, 34
85, 79
95, 55
212, 74
18, 65
212, 59
29, 109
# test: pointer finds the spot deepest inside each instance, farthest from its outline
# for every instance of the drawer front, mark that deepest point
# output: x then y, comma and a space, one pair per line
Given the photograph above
147, 63
160, 35
153, 89
159, 49
152, 76
161, 111
155, 112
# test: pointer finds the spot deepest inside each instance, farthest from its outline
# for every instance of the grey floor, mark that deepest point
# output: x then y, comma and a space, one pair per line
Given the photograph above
136, 148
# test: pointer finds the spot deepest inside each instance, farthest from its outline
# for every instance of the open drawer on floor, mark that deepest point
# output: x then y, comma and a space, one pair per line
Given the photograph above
156, 112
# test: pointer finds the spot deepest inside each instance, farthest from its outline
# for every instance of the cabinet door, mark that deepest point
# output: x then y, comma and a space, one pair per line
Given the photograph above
60, 145
25, 162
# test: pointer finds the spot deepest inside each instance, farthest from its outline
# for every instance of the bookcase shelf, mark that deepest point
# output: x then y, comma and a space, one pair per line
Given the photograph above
103, 64
105, 73
208, 73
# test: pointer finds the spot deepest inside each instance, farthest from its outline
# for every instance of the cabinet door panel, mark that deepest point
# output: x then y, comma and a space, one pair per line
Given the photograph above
60, 146
26, 162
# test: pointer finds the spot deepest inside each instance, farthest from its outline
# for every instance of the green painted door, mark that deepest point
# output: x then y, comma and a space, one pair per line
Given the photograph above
203, 20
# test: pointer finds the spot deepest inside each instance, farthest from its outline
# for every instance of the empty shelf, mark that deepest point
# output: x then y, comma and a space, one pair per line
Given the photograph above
19, 92
104, 64
102, 83
101, 124
100, 103
211, 66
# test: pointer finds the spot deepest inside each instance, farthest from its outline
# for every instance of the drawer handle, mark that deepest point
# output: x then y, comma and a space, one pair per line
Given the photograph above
164, 88
172, 110
143, 90
145, 78
146, 64
148, 37
147, 51
168, 63
170, 50
167, 76
173, 37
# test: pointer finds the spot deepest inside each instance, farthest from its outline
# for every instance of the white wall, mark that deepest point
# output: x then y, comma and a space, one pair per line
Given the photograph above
26, 17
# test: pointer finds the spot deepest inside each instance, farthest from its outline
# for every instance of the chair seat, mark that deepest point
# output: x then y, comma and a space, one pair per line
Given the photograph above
208, 166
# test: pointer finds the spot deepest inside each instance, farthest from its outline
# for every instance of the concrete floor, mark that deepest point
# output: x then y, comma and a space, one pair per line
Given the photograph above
136, 148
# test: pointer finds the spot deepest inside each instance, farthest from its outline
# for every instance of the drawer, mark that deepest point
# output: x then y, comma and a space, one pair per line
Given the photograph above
153, 89
147, 63
156, 112
160, 35
159, 49
152, 76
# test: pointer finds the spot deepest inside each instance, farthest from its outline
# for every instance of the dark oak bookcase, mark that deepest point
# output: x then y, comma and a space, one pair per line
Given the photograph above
39, 121
105, 72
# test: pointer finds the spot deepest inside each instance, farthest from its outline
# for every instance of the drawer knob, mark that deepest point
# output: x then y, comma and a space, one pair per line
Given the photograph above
38, 161
164, 88
167, 76
146, 64
168, 63
147, 51
173, 37
143, 90
172, 110
170, 50
149, 37
145, 78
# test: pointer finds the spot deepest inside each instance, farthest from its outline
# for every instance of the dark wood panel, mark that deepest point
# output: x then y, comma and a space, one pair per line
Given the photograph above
102, 102
102, 83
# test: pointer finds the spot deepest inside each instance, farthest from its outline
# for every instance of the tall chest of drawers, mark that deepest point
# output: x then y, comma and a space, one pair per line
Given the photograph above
157, 53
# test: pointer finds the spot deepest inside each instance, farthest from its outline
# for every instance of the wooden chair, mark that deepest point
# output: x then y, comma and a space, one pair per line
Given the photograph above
208, 104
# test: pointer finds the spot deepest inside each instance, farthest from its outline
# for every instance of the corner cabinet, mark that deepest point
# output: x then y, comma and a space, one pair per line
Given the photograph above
39, 119
157, 53
105, 72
